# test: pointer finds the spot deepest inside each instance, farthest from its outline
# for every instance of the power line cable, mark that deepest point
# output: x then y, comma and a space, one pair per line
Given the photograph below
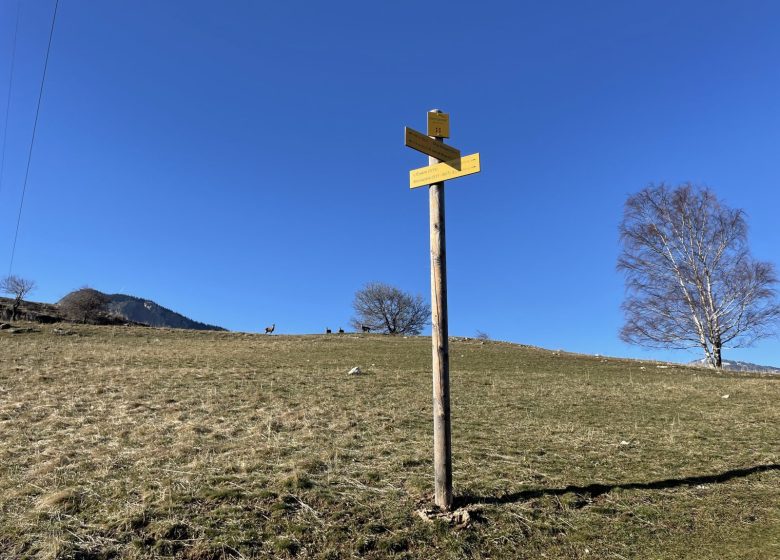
10, 87
32, 140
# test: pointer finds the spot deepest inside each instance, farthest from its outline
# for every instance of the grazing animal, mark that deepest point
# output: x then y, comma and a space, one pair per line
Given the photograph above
270, 330
327, 331
365, 328
341, 331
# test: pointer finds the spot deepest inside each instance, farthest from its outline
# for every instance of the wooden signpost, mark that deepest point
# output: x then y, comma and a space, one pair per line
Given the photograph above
441, 166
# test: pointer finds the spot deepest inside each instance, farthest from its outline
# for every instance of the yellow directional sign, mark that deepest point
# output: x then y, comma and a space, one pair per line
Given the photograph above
429, 146
439, 125
444, 171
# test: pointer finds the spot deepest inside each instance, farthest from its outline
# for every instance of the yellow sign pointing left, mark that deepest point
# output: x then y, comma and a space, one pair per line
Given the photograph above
429, 146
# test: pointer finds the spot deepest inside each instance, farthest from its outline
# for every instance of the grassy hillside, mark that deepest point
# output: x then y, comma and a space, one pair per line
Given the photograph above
124, 442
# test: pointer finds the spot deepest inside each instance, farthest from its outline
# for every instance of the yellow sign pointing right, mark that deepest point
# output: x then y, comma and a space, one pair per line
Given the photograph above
444, 171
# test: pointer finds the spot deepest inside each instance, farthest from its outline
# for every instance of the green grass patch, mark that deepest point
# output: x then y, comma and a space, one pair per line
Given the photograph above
138, 443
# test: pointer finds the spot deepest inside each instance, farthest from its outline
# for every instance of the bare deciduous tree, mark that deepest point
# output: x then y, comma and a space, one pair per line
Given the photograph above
84, 304
481, 335
691, 281
384, 308
18, 288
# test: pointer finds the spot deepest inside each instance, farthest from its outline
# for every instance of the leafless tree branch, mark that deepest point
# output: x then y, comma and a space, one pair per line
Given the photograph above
17, 287
84, 305
384, 308
690, 279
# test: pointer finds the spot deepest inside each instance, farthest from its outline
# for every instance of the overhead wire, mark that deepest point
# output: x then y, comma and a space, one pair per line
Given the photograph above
32, 140
10, 88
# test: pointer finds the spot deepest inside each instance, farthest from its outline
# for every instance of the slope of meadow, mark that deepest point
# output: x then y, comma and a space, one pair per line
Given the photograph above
125, 442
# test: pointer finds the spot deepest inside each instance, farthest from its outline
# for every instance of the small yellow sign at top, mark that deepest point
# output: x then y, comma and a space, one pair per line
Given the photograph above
439, 125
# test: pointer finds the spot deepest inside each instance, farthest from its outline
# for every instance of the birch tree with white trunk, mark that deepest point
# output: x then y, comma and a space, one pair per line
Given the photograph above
691, 281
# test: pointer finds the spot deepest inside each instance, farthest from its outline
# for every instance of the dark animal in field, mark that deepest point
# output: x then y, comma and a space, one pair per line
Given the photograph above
270, 330
365, 328
327, 331
341, 331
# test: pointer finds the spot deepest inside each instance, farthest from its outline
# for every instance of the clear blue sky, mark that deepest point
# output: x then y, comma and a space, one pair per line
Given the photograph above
243, 163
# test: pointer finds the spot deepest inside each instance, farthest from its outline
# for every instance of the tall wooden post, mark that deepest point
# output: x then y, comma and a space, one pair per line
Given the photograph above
442, 434
444, 163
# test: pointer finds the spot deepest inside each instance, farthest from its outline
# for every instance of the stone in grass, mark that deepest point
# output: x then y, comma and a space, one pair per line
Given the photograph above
23, 330
4, 326
355, 371
459, 519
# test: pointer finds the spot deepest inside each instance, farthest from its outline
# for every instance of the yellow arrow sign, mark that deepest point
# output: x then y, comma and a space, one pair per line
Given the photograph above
422, 143
444, 171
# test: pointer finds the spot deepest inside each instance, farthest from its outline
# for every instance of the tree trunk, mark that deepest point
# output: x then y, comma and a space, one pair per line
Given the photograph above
716, 355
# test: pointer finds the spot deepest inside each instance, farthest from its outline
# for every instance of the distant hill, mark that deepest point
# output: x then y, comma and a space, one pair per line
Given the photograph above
739, 366
121, 309
139, 310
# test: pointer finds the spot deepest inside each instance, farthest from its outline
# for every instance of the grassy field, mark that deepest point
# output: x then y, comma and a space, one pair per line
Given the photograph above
123, 442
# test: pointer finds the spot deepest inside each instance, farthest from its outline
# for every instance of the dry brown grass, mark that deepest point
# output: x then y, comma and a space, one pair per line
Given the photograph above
148, 443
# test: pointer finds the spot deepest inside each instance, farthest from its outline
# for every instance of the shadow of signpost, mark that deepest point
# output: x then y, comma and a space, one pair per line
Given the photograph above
597, 489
